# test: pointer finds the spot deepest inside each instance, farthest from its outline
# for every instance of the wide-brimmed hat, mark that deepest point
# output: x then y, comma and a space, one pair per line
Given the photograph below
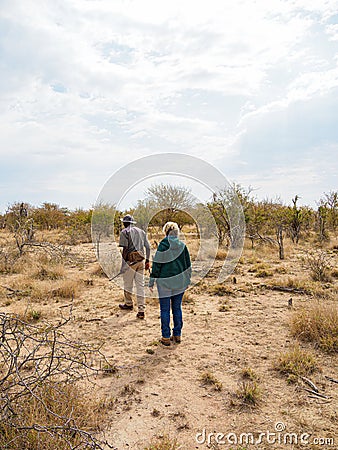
128, 218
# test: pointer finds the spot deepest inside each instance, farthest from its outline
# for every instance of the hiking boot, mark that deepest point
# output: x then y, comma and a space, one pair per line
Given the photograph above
125, 306
165, 341
140, 315
176, 339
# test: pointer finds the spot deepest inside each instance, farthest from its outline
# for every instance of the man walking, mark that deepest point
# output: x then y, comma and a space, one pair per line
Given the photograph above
133, 240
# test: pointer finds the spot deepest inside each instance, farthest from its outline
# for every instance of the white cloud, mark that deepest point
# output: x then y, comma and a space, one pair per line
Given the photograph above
97, 83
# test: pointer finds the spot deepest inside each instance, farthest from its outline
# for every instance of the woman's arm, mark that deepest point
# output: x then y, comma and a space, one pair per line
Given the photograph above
187, 261
156, 267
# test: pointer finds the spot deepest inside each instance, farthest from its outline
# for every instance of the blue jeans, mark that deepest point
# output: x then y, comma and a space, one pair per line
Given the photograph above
169, 297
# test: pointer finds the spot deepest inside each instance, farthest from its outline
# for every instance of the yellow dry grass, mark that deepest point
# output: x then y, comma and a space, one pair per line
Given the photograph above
296, 362
65, 400
317, 323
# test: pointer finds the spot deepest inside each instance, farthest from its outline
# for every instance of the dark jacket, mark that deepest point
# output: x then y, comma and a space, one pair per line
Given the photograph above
171, 266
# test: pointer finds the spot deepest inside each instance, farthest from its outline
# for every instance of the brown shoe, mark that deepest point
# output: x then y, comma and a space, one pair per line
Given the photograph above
125, 306
140, 315
176, 339
165, 341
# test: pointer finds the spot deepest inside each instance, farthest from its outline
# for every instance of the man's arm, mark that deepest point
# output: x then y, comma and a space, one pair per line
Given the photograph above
123, 242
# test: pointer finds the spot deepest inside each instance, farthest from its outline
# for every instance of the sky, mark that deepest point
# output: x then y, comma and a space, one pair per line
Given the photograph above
87, 87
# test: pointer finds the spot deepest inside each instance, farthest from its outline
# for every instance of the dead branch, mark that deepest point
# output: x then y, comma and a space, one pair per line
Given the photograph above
286, 289
310, 383
33, 355
13, 291
316, 393
331, 379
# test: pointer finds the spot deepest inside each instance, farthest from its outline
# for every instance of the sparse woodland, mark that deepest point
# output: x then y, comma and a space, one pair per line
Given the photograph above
260, 348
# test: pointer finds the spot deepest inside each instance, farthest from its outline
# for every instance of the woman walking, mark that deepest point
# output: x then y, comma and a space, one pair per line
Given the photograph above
172, 271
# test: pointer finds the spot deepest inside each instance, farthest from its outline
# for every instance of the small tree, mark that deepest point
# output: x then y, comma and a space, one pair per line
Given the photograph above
279, 220
20, 224
224, 205
331, 201
50, 216
144, 211
295, 221
170, 200
322, 215
257, 219
103, 218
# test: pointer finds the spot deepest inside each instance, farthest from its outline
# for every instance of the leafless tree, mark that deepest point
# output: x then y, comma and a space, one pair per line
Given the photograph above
170, 200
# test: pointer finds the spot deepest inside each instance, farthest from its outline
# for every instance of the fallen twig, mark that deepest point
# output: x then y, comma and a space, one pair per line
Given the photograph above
310, 383
319, 398
14, 291
316, 393
331, 379
285, 289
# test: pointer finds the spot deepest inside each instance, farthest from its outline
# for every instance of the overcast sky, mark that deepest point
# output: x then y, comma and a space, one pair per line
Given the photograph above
88, 86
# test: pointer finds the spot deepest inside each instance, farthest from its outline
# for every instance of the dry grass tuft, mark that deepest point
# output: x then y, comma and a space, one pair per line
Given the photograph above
224, 307
317, 323
163, 443
98, 272
307, 286
296, 362
221, 289
188, 297
49, 272
249, 393
65, 289
334, 273
249, 374
46, 289
209, 379
261, 270
221, 254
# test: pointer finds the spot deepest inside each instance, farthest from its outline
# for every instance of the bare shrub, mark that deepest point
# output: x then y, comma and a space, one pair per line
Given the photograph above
40, 404
8, 256
68, 401
317, 323
318, 263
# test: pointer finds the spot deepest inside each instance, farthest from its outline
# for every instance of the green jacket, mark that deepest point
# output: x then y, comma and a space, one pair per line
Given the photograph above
171, 265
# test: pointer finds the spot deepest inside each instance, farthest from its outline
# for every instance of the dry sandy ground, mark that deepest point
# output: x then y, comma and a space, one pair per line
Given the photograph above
157, 391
